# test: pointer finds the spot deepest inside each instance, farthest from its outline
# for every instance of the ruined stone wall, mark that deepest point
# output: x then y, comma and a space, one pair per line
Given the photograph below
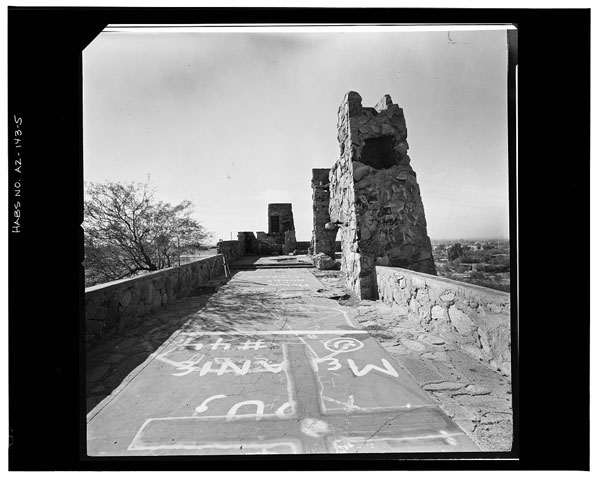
323, 238
109, 306
289, 241
232, 249
374, 195
474, 318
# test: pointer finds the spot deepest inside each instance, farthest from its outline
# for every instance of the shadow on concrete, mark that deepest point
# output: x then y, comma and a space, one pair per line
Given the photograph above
110, 361
243, 305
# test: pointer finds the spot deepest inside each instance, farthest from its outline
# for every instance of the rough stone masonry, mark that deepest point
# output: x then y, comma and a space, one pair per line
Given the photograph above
281, 226
281, 219
323, 238
374, 195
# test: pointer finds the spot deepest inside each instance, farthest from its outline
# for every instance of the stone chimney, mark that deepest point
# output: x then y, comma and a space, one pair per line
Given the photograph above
323, 238
374, 195
281, 219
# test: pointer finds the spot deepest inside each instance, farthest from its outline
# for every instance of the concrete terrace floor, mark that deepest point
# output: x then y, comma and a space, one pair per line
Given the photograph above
475, 398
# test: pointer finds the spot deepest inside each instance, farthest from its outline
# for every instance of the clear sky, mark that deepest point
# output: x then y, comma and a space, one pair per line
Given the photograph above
235, 121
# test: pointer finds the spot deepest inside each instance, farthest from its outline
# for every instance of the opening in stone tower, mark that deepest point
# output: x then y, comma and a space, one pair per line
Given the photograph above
378, 152
274, 225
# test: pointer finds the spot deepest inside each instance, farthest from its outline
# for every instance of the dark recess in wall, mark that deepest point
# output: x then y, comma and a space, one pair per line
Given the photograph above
379, 153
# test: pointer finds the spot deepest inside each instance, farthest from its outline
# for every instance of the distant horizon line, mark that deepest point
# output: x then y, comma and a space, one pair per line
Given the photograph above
476, 239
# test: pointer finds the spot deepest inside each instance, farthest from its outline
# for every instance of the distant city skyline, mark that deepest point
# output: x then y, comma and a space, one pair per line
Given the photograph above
236, 120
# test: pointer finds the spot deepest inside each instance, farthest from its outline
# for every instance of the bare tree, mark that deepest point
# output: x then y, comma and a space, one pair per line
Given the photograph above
126, 231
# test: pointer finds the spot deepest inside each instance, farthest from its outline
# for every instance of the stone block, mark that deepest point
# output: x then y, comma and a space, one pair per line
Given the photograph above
413, 305
424, 315
473, 351
401, 310
413, 345
505, 368
444, 386
360, 171
397, 349
431, 339
324, 262
423, 296
421, 370
447, 296
485, 343
461, 321
436, 356
477, 390
398, 297
439, 313
416, 281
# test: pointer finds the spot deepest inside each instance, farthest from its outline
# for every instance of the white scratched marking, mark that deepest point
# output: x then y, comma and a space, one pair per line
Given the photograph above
289, 382
347, 406
347, 442
227, 365
218, 343
203, 407
271, 368
334, 363
315, 367
314, 427
341, 345
292, 309
137, 435
260, 409
255, 345
281, 411
263, 448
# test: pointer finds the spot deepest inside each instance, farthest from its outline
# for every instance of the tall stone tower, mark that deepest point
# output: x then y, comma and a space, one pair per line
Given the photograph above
281, 218
374, 195
323, 238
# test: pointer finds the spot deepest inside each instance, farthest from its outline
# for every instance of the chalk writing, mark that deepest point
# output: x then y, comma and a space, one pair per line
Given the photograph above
260, 408
227, 366
204, 407
222, 365
369, 367
343, 345
335, 363
189, 365
218, 343
252, 345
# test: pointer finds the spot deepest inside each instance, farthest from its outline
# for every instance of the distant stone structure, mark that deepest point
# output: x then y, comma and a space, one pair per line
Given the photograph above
374, 195
281, 237
323, 236
281, 219
289, 241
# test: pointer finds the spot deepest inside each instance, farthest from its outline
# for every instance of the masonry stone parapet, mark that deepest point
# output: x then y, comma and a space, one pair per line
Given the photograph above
474, 318
109, 307
232, 249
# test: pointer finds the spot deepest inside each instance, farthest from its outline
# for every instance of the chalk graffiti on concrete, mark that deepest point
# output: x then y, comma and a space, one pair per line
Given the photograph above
330, 360
227, 365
